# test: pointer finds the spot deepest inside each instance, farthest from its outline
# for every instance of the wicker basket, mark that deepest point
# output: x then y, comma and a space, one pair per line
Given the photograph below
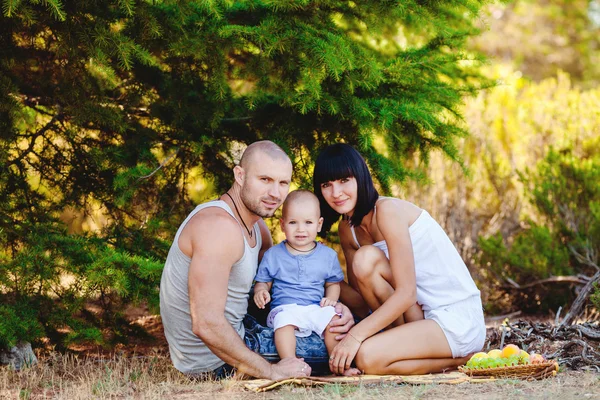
527, 371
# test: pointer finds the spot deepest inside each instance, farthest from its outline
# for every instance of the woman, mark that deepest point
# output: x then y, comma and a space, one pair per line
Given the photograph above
426, 314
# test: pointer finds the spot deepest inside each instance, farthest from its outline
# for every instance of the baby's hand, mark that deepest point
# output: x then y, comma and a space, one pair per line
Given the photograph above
261, 298
327, 302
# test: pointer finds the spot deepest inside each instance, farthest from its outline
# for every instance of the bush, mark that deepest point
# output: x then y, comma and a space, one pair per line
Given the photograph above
565, 192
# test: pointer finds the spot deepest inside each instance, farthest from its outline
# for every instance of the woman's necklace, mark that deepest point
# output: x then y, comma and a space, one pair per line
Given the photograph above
240, 215
301, 251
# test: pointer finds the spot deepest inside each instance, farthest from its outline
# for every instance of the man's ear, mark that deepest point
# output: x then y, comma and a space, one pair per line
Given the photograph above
239, 174
320, 224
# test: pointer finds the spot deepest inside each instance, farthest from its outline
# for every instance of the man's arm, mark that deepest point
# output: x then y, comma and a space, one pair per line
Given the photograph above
212, 259
267, 240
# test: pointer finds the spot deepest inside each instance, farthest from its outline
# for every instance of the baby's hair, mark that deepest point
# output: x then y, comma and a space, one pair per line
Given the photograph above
299, 195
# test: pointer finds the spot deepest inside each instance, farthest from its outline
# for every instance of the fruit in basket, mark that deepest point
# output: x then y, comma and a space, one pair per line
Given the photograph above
496, 362
524, 356
496, 353
510, 350
536, 359
514, 360
481, 354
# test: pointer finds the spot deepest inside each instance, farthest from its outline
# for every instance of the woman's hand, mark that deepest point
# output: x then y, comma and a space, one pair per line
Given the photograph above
344, 323
343, 354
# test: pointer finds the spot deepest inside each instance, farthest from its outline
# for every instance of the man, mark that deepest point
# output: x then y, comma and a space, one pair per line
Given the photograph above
210, 268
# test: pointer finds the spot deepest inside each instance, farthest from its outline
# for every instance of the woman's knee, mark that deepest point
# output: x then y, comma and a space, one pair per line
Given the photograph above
367, 361
365, 260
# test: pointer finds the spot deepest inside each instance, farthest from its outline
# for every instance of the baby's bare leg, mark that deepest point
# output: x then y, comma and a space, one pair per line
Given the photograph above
285, 341
330, 343
329, 337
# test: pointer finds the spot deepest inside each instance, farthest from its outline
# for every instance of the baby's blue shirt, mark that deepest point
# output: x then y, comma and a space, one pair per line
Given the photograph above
299, 279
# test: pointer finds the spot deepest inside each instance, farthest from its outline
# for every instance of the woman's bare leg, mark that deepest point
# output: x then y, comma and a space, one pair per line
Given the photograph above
285, 341
352, 298
419, 347
374, 276
414, 313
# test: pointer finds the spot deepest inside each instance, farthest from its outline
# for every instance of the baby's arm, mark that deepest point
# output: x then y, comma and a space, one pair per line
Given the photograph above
332, 294
261, 293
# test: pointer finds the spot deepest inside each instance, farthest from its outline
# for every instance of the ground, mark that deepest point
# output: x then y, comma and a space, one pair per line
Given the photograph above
142, 370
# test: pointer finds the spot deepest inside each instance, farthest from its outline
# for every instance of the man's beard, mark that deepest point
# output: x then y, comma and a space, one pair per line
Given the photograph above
254, 205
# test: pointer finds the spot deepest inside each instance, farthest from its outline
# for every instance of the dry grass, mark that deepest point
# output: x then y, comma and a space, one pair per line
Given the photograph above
153, 377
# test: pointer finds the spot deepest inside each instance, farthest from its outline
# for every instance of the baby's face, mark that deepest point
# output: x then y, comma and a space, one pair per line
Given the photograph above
301, 223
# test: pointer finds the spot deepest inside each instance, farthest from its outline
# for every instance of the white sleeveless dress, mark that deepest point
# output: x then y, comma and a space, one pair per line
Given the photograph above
445, 290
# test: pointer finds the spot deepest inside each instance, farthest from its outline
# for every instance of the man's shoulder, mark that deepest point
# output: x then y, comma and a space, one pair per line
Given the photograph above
213, 221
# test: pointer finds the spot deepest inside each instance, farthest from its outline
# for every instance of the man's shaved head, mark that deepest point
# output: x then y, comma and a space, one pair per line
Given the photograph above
264, 147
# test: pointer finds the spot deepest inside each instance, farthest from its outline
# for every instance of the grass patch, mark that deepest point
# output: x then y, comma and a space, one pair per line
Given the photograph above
68, 376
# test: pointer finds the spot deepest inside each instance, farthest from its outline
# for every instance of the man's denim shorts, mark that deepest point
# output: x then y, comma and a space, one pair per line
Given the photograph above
261, 340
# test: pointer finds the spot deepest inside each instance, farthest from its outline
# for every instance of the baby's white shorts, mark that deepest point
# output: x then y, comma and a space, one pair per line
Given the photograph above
463, 325
308, 319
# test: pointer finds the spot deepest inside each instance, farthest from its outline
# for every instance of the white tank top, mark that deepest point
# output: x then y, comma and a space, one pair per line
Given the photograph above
188, 352
441, 274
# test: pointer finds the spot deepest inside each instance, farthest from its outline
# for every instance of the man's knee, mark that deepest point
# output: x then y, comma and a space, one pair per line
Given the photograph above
365, 260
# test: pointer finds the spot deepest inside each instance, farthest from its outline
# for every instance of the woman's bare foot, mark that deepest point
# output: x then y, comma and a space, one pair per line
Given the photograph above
352, 372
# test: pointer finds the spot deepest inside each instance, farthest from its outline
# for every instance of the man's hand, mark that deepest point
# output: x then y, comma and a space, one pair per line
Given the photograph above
261, 298
327, 302
343, 324
290, 367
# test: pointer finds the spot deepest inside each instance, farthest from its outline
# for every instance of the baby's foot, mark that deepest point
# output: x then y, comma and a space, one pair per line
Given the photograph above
352, 372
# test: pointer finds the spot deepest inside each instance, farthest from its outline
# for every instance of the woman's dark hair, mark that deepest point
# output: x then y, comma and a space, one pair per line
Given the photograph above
340, 161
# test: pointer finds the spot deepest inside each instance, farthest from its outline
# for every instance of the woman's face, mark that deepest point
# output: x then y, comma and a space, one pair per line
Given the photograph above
341, 194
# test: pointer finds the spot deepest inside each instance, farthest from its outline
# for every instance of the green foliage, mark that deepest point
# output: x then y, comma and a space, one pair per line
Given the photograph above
112, 111
533, 255
512, 128
564, 190
18, 322
595, 297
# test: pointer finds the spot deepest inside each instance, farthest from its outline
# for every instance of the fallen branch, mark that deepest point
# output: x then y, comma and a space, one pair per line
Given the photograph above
502, 317
580, 301
553, 279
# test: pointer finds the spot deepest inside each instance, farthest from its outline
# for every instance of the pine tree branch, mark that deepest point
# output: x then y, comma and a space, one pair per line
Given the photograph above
160, 166
34, 137
236, 119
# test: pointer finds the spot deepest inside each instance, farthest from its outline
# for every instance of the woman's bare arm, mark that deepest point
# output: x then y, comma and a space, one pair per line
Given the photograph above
393, 223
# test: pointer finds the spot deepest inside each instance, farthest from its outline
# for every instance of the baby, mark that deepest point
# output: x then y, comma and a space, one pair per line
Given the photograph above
305, 277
